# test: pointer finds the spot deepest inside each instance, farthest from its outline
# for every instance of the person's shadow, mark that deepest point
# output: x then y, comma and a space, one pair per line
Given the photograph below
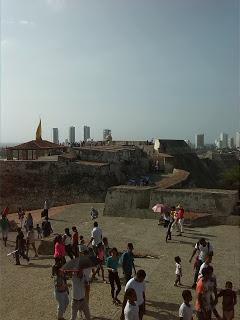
163, 310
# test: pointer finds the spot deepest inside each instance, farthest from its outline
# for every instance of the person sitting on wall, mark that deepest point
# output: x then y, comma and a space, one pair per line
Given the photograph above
94, 213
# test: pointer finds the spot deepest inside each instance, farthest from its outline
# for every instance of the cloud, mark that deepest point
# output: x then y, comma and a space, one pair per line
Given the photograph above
26, 22
8, 21
22, 22
7, 44
56, 4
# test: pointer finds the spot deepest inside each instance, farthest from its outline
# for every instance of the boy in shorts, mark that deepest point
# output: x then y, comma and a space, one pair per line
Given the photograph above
229, 301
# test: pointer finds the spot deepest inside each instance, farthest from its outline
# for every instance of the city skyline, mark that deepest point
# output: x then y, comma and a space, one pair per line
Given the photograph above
78, 132
144, 69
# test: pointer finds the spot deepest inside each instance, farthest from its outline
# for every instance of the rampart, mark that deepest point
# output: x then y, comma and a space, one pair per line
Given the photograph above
28, 183
138, 201
212, 201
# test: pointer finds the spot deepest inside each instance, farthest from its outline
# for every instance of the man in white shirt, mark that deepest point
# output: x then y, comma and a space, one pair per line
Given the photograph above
204, 249
138, 284
96, 236
79, 303
205, 264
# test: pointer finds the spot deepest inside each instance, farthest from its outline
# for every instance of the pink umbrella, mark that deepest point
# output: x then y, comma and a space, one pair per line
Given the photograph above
160, 208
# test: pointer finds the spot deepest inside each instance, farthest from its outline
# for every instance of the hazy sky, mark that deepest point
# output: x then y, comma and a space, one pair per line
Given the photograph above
143, 68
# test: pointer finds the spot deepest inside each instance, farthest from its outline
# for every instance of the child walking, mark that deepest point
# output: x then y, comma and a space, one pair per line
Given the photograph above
178, 271
130, 309
186, 309
229, 301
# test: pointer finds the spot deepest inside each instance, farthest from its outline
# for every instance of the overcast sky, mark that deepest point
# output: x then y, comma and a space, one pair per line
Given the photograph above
143, 68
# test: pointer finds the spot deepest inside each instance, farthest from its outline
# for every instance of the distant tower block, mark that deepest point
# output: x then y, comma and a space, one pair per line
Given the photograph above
86, 133
72, 135
199, 141
55, 136
106, 134
224, 140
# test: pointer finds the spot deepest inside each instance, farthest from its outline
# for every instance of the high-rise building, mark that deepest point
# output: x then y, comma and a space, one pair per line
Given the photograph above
199, 141
218, 144
86, 133
224, 140
238, 140
230, 143
106, 134
55, 136
72, 135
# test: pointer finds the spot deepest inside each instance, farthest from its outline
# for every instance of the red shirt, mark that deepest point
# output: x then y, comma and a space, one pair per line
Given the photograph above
59, 250
181, 213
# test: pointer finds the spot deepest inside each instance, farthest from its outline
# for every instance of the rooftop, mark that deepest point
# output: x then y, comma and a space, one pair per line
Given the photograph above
37, 145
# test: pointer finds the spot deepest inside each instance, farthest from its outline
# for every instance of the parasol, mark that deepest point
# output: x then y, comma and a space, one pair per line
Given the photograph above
82, 262
159, 208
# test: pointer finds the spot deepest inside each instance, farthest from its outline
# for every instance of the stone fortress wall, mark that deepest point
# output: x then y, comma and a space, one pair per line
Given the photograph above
28, 184
138, 201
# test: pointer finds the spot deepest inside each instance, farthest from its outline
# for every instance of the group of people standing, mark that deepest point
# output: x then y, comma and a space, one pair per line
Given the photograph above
173, 218
205, 284
109, 260
73, 246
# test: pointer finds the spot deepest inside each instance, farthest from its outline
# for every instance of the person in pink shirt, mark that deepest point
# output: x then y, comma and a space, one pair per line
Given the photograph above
59, 250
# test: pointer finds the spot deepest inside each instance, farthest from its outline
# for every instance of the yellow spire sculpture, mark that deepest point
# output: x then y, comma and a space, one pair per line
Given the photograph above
39, 131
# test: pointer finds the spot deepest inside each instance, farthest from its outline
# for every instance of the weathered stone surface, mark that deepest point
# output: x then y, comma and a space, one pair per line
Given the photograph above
138, 201
28, 184
214, 201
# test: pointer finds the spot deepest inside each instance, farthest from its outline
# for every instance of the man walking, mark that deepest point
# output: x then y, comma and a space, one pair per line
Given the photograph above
128, 263
20, 247
96, 236
204, 249
79, 302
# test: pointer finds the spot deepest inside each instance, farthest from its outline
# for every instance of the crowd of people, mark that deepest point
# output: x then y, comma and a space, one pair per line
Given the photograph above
71, 245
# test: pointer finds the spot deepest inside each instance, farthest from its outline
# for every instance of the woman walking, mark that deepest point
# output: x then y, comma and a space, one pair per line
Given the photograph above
61, 291
59, 251
112, 266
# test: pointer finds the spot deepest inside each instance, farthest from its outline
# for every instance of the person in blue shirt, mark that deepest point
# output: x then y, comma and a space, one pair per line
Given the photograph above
128, 262
112, 266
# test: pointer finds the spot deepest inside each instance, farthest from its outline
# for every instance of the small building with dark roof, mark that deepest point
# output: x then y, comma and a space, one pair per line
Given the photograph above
33, 149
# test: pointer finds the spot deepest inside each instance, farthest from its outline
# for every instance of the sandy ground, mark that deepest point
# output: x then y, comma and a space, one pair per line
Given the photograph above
27, 291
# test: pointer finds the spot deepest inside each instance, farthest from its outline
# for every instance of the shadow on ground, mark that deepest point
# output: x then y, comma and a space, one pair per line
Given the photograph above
164, 310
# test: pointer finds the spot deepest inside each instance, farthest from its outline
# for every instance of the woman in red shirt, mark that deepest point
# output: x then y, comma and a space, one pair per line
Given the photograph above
59, 250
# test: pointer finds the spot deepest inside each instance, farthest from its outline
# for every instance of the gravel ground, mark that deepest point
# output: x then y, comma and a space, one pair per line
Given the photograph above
27, 290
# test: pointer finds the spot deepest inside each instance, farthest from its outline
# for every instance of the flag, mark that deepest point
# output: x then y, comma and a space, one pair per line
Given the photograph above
39, 131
